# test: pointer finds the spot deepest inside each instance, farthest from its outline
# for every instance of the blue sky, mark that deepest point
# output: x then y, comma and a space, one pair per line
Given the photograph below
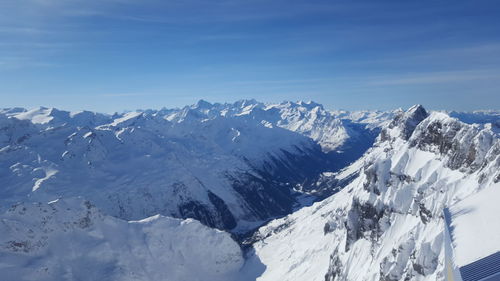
112, 55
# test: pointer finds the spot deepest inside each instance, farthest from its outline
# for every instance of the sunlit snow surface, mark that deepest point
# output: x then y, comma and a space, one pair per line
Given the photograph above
176, 161
385, 225
388, 224
70, 239
476, 226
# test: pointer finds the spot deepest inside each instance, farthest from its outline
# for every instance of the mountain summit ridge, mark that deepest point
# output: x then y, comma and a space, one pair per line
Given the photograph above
387, 223
91, 178
218, 163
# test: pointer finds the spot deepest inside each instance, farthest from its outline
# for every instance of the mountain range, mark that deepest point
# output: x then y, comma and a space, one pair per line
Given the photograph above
236, 191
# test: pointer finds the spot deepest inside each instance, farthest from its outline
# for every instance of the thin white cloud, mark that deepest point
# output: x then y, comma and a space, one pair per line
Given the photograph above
284, 82
13, 62
157, 11
479, 52
125, 94
23, 30
436, 77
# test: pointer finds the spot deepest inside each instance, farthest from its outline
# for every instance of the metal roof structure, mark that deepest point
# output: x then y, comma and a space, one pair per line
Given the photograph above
487, 268
472, 234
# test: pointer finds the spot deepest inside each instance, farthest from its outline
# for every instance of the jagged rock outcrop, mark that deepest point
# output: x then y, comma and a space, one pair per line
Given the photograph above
387, 223
230, 166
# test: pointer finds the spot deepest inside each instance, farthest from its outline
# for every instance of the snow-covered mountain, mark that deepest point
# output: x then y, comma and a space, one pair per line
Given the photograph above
231, 166
70, 239
88, 196
387, 224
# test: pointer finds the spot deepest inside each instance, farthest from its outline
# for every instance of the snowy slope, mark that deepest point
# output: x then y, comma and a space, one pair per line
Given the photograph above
70, 239
234, 166
231, 166
136, 165
343, 135
476, 227
387, 224
480, 116
331, 129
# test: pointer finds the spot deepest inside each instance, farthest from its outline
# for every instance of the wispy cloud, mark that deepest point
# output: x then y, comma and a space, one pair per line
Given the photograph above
125, 95
283, 82
196, 47
37, 45
23, 30
436, 77
168, 12
478, 53
12, 63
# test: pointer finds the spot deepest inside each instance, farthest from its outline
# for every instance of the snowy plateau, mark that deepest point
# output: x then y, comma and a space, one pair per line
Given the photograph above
238, 191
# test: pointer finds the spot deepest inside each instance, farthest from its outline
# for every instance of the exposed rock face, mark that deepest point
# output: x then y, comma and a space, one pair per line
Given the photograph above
406, 122
467, 148
384, 224
335, 268
230, 166
364, 221
387, 223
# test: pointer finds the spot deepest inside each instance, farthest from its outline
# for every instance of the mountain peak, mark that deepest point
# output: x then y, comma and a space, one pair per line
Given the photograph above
203, 104
407, 121
417, 110
413, 116
310, 104
245, 102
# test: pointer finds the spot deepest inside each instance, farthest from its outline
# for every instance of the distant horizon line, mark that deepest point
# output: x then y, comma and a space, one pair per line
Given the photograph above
255, 101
